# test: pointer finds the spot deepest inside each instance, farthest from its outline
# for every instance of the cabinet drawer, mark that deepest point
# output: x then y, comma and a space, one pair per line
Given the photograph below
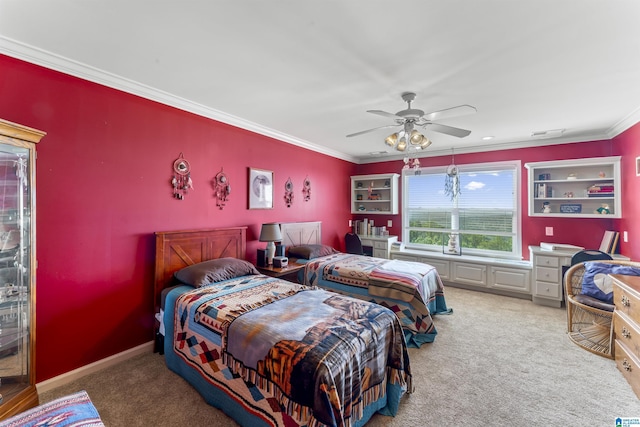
377, 253
380, 245
366, 242
626, 301
629, 365
547, 274
547, 290
547, 261
627, 332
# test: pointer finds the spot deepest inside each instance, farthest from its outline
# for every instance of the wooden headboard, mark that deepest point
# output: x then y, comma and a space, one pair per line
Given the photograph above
178, 249
301, 233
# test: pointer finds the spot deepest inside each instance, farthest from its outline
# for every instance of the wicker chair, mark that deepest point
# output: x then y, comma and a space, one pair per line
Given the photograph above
589, 320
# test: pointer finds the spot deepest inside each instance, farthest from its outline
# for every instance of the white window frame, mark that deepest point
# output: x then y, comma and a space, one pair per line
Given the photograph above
515, 165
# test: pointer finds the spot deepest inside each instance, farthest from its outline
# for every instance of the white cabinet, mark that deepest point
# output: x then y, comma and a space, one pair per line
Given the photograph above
378, 246
577, 188
547, 275
374, 194
485, 274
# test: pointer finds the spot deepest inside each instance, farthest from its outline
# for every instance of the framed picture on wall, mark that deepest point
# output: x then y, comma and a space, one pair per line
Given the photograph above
260, 189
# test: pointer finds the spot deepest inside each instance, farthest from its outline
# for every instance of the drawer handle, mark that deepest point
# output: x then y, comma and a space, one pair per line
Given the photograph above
626, 365
625, 301
626, 333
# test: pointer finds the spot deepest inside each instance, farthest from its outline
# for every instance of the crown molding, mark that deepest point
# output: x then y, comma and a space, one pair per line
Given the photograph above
64, 65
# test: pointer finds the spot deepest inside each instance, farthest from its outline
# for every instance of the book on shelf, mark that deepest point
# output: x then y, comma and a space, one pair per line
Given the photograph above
609, 241
545, 246
543, 191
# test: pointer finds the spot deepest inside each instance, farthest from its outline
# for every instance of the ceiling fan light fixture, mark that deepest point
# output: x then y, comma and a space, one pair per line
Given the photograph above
425, 143
392, 140
402, 145
416, 137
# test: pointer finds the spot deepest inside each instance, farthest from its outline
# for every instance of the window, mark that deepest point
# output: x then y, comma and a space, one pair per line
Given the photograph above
484, 217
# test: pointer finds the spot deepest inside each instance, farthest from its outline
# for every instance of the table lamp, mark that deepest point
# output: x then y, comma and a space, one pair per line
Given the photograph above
270, 233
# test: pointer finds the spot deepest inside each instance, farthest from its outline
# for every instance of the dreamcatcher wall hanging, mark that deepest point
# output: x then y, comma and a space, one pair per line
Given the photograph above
181, 180
452, 180
222, 189
306, 189
288, 192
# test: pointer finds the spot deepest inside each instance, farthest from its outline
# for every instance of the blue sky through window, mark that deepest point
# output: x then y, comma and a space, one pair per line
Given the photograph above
480, 190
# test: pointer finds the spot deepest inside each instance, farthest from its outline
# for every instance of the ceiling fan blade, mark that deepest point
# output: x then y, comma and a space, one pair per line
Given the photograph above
449, 130
460, 110
384, 113
371, 130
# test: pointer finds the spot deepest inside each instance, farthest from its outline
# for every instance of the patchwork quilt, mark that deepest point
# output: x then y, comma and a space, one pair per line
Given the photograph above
273, 353
412, 290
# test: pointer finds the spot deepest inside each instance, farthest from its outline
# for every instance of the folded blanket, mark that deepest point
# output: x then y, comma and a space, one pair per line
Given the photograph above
75, 410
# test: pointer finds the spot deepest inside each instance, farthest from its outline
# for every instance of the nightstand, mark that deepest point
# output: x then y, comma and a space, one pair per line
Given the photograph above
290, 272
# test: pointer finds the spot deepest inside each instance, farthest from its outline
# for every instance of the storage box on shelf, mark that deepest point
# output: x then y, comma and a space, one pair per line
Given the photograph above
374, 194
577, 188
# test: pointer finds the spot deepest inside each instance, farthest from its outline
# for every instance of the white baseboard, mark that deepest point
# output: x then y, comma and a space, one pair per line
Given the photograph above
70, 376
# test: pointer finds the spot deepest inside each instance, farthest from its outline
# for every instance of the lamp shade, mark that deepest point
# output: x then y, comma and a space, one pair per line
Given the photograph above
270, 232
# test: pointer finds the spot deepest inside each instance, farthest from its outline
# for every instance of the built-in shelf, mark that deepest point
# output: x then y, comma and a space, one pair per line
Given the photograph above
374, 194
577, 188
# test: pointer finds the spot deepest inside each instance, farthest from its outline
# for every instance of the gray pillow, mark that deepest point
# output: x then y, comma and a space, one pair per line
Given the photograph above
310, 251
216, 270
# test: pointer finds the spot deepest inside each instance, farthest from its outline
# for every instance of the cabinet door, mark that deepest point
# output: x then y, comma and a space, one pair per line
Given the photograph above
510, 279
17, 271
471, 274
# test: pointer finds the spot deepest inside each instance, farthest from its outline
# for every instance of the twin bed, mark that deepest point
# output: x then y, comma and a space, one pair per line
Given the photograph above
270, 352
412, 290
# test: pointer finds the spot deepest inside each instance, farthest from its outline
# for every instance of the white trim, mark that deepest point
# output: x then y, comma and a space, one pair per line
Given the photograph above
64, 65
107, 362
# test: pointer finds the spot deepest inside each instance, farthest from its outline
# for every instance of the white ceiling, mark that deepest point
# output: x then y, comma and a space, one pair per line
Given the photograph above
307, 71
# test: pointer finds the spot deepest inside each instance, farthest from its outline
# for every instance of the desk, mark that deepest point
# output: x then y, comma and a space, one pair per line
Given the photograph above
378, 246
546, 287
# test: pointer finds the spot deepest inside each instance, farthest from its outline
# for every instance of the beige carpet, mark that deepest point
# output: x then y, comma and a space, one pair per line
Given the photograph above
497, 361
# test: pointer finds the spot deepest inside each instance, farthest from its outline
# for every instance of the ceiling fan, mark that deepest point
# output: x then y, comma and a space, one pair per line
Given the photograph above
411, 117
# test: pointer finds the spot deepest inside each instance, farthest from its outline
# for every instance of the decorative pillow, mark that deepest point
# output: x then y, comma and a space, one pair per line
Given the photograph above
213, 271
310, 251
597, 284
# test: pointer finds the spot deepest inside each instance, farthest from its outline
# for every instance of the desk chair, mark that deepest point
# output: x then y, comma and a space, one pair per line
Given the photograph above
353, 244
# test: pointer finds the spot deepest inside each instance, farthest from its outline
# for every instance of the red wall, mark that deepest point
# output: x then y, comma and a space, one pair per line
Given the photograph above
628, 146
585, 232
103, 189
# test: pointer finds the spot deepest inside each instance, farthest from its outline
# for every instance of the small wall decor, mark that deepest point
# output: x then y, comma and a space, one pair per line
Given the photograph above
306, 189
288, 192
260, 189
222, 188
181, 180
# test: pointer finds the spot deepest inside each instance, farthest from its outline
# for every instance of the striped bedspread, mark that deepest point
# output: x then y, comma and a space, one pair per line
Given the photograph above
412, 290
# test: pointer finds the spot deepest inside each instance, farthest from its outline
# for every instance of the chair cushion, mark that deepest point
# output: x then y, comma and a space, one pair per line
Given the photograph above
597, 284
593, 302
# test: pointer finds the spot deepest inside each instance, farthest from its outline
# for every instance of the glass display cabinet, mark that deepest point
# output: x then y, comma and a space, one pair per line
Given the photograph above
17, 268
